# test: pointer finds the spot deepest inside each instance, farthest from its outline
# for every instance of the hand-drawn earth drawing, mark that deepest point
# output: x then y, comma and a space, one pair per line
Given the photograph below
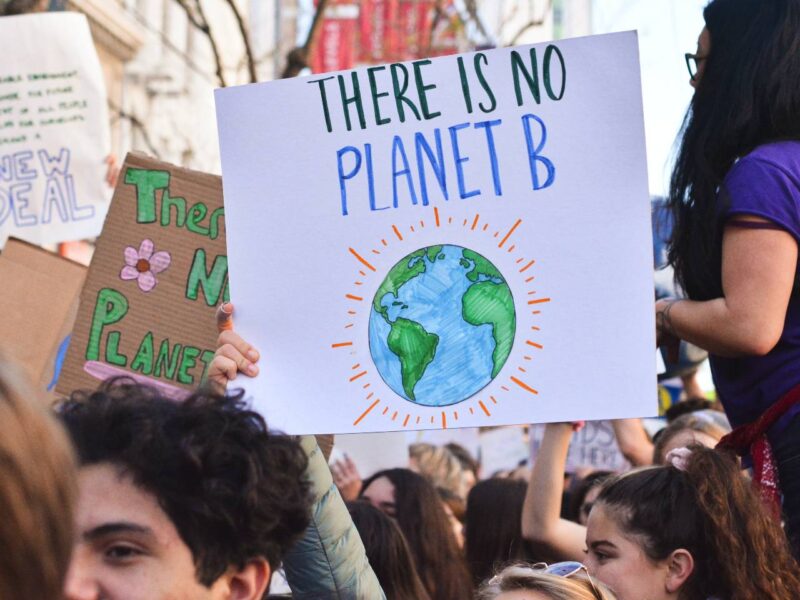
442, 325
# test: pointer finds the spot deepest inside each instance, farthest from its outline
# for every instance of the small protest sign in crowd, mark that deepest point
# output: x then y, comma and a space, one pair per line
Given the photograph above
404, 347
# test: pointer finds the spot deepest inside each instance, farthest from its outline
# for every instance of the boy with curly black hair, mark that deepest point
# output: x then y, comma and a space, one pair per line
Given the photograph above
192, 500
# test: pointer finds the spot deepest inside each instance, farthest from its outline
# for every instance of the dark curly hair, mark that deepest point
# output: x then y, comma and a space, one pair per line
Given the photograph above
709, 509
233, 490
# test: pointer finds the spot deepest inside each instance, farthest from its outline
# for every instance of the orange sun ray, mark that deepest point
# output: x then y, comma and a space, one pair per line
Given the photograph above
524, 385
361, 259
510, 232
366, 412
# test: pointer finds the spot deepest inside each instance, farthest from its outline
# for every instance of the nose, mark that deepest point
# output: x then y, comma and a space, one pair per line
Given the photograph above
79, 584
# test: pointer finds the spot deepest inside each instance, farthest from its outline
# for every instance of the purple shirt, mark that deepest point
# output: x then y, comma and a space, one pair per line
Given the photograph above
765, 183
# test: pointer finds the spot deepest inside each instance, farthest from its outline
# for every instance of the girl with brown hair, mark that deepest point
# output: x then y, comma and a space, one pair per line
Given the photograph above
691, 530
414, 502
37, 494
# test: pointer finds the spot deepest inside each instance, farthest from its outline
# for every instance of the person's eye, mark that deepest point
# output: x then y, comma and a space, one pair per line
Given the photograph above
122, 553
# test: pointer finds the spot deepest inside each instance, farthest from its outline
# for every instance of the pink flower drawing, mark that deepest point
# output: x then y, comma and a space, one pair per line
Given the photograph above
143, 265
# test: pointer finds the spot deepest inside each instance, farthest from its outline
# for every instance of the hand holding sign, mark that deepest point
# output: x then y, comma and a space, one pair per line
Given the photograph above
233, 355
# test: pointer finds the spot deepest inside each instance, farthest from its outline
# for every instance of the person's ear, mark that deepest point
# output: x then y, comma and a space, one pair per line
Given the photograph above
250, 582
680, 566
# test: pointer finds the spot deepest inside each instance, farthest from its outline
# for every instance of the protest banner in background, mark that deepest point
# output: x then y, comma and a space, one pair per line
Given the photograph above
454, 242
157, 275
38, 301
372, 452
503, 449
593, 447
54, 131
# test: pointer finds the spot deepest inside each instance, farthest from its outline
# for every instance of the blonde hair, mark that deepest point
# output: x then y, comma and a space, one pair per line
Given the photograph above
439, 466
698, 421
525, 577
37, 494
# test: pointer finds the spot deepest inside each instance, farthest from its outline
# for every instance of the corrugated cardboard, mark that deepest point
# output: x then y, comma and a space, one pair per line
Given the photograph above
166, 335
39, 294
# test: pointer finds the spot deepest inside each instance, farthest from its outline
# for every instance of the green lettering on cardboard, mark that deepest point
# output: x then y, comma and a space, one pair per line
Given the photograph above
109, 308
147, 182
213, 224
165, 362
113, 355
206, 357
143, 361
188, 361
167, 202
214, 282
197, 213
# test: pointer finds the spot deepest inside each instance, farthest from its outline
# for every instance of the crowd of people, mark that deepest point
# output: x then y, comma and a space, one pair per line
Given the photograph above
119, 493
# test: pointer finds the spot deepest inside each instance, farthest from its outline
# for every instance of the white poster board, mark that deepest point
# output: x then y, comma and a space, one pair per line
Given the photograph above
455, 242
593, 447
372, 452
54, 130
503, 449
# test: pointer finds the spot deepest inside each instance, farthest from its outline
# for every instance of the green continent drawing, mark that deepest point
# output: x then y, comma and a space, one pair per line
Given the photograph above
442, 325
488, 303
416, 349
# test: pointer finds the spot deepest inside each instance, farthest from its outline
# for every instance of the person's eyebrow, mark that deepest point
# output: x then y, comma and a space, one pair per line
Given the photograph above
107, 529
594, 545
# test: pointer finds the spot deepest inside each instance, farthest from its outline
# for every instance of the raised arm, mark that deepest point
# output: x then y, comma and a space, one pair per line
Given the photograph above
329, 562
542, 524
633, 441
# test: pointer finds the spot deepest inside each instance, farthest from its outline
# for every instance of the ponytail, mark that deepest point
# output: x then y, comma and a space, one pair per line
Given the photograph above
709, 510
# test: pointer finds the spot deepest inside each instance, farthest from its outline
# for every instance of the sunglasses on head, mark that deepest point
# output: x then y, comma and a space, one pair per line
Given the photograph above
567, 569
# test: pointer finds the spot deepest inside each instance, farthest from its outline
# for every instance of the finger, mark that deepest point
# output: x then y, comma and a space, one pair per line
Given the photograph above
222, 369
242, 364
225, 317
234, 339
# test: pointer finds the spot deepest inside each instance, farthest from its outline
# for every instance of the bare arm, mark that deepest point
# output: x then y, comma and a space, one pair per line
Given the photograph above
541, 514
758, 270
633, 441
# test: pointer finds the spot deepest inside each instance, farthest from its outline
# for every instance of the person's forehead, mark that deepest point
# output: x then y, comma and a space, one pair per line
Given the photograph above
108, 495
380, 487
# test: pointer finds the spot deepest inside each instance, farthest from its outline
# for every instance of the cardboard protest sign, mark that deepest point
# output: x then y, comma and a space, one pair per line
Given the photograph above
593, 447
54, 130
158, 273
38, 301
454, 242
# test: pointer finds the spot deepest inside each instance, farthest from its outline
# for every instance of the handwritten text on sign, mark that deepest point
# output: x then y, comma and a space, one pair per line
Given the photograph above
413, 244
159, 271
53, 130
396, 102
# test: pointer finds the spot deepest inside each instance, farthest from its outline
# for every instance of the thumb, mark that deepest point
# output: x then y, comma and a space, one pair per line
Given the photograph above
225, 317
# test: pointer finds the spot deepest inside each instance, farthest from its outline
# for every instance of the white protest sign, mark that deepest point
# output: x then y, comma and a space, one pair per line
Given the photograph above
503, 449
594, 447
54, 134
372, 452
455, 242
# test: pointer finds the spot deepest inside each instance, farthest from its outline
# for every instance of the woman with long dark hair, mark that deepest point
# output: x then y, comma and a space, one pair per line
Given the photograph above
493, 533
414, 503
735, 199
388, 552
